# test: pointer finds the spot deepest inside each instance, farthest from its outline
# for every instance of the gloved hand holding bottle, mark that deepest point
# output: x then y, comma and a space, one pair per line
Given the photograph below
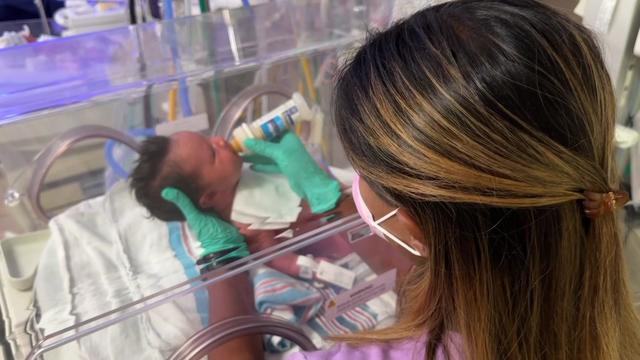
305, 177
221, 241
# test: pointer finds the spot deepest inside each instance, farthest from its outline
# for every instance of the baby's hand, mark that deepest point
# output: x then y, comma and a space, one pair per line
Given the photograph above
257, 240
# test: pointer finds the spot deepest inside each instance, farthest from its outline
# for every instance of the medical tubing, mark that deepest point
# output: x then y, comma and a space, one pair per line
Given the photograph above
168, 9
247, 5
215, 89
109, 157
118, 170
185, 104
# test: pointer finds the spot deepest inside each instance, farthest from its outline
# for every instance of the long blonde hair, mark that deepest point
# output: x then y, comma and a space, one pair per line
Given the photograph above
487, 120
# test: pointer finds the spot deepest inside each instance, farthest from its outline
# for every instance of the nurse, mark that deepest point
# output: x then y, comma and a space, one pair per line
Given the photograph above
482, 133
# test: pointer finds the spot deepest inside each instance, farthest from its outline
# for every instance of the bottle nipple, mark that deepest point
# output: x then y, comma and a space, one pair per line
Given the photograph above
236, 145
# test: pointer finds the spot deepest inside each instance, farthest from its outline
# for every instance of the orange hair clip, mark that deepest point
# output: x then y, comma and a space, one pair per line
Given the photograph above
598, 204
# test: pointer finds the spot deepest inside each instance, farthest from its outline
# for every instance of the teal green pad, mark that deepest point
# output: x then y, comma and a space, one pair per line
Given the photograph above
305, 177
213, 233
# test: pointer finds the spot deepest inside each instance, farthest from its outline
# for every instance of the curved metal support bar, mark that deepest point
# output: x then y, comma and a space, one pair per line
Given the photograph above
202, 342
231, 114
57, 147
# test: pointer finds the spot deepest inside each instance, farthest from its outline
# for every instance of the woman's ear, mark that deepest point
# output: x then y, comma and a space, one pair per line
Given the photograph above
416, 235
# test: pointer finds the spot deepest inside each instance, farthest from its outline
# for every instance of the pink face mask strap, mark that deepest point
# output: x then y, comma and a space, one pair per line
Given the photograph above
366, 215
357, 199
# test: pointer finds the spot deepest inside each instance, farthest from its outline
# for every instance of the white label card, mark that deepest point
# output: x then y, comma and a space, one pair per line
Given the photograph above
307, 267
335, 274
307, 261
360, 294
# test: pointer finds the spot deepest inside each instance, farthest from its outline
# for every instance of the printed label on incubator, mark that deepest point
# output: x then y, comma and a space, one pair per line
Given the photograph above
360, 294
307, 267
335, 275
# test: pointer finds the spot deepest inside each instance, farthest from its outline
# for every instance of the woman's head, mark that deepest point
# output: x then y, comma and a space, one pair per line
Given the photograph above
485, 121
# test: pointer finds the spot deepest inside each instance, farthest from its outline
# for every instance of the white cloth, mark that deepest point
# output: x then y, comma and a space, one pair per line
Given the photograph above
104, 253
265, 201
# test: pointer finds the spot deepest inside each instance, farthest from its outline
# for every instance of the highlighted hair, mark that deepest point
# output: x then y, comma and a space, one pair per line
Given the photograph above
487, 120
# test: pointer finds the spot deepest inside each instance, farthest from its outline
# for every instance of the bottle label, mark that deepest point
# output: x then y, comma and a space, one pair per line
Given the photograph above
274, 127
289, 113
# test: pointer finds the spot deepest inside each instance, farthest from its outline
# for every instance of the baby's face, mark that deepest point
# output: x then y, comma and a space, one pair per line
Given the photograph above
212, 160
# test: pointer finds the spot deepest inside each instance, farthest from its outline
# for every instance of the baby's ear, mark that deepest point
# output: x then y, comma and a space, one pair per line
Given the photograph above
207, 200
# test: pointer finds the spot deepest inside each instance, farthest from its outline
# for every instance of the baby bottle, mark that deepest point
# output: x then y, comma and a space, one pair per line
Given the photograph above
273, 124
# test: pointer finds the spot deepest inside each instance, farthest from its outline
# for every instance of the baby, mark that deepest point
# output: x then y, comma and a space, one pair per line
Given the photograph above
208, 171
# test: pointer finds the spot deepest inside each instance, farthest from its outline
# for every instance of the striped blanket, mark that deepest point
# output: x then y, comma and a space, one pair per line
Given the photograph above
302, 302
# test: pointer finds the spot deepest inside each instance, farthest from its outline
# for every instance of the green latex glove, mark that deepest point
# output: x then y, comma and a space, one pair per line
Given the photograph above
305, 177
215, 235
262, 164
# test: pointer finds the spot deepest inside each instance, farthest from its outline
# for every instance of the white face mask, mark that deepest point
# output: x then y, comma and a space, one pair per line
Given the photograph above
375, 226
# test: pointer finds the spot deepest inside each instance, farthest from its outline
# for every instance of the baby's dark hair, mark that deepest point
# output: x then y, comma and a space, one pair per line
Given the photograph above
154, 172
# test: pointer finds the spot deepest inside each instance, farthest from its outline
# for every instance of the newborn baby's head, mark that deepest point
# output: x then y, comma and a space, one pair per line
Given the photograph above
200, 167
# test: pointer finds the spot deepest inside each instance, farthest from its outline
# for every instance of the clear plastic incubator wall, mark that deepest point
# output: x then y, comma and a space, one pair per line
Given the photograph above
88, 274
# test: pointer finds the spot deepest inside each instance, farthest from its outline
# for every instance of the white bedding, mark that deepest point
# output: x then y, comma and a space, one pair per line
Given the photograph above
105, 253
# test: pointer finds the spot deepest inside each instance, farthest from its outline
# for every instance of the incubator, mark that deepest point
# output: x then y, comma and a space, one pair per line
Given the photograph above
87, 273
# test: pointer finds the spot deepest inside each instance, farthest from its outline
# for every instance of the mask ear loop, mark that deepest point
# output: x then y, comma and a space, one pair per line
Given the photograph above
393, 237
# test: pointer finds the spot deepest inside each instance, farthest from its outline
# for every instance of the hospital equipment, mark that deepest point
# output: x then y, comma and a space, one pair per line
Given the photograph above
112, 282
80, 16
274, 124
